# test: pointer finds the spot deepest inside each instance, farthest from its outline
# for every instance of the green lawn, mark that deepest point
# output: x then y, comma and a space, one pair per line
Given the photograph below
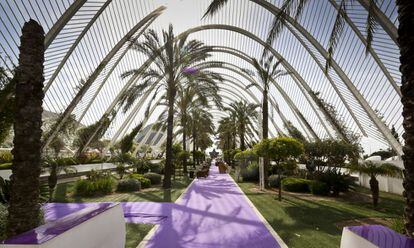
309, 221
135, 233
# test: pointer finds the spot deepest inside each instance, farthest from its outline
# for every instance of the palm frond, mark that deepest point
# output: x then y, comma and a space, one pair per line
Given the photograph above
214, 7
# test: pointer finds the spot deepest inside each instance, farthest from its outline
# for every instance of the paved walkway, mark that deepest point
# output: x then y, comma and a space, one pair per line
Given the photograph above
213, 212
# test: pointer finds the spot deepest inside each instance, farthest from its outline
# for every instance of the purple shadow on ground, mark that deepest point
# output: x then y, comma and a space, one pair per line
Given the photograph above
56, 227
213, 213
382, 236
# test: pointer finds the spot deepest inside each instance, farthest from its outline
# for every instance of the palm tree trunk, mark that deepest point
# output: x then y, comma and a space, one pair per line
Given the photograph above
405, 40
184, 125
280, 186
24, 205
242, 141
194, 145
168, 150
265, 130
373, 184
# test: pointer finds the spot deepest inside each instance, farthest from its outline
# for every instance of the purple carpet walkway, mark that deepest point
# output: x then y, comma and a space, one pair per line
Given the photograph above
212, 213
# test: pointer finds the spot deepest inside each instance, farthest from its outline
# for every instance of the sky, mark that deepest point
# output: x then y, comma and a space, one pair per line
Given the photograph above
121, 15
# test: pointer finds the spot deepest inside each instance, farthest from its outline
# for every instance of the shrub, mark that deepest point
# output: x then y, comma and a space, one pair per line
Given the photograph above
157, 167
319, 188
296, 185
251, 173
128, 185
6, 157
3, 221
145, 182
153, 177
274, 181
5, 166
120, 170
336, 181
100, 186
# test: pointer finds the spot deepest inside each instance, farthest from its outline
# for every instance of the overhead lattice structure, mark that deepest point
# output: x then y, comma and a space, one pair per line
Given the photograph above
87, 41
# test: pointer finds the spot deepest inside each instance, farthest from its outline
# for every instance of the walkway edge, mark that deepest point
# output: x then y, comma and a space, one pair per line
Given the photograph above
265, 222
151, 233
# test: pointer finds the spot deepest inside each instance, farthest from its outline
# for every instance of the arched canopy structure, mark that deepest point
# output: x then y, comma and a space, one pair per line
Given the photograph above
87, 50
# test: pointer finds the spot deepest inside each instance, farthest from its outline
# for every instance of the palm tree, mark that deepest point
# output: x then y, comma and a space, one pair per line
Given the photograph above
171, 58
24, 208
373, 170
194, 95
227, 133
266, 70
244, 113
201, 126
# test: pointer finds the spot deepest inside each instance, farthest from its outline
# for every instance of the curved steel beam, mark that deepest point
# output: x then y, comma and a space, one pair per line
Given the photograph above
69, 109
290, 103
380, 125
371, 50
62, 21
297, 77
109, 73
382, 19
284, 95
75, 44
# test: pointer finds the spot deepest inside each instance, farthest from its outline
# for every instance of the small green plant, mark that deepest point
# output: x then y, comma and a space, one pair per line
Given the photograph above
128, 185
153, 177
397, 225
145, 182
4, 190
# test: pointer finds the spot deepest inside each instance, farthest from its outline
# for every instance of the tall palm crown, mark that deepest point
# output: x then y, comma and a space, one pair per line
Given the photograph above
171, 56
245, 114
266, 71
227, 133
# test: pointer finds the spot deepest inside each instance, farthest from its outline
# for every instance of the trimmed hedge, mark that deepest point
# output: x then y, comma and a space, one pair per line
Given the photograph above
145, 182
153, 177
128, 185
298, 185
301, 185
5, 166
100, 186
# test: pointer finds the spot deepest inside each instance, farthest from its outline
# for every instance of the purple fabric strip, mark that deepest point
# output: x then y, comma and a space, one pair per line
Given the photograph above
54, 228
213, 213
382, 236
